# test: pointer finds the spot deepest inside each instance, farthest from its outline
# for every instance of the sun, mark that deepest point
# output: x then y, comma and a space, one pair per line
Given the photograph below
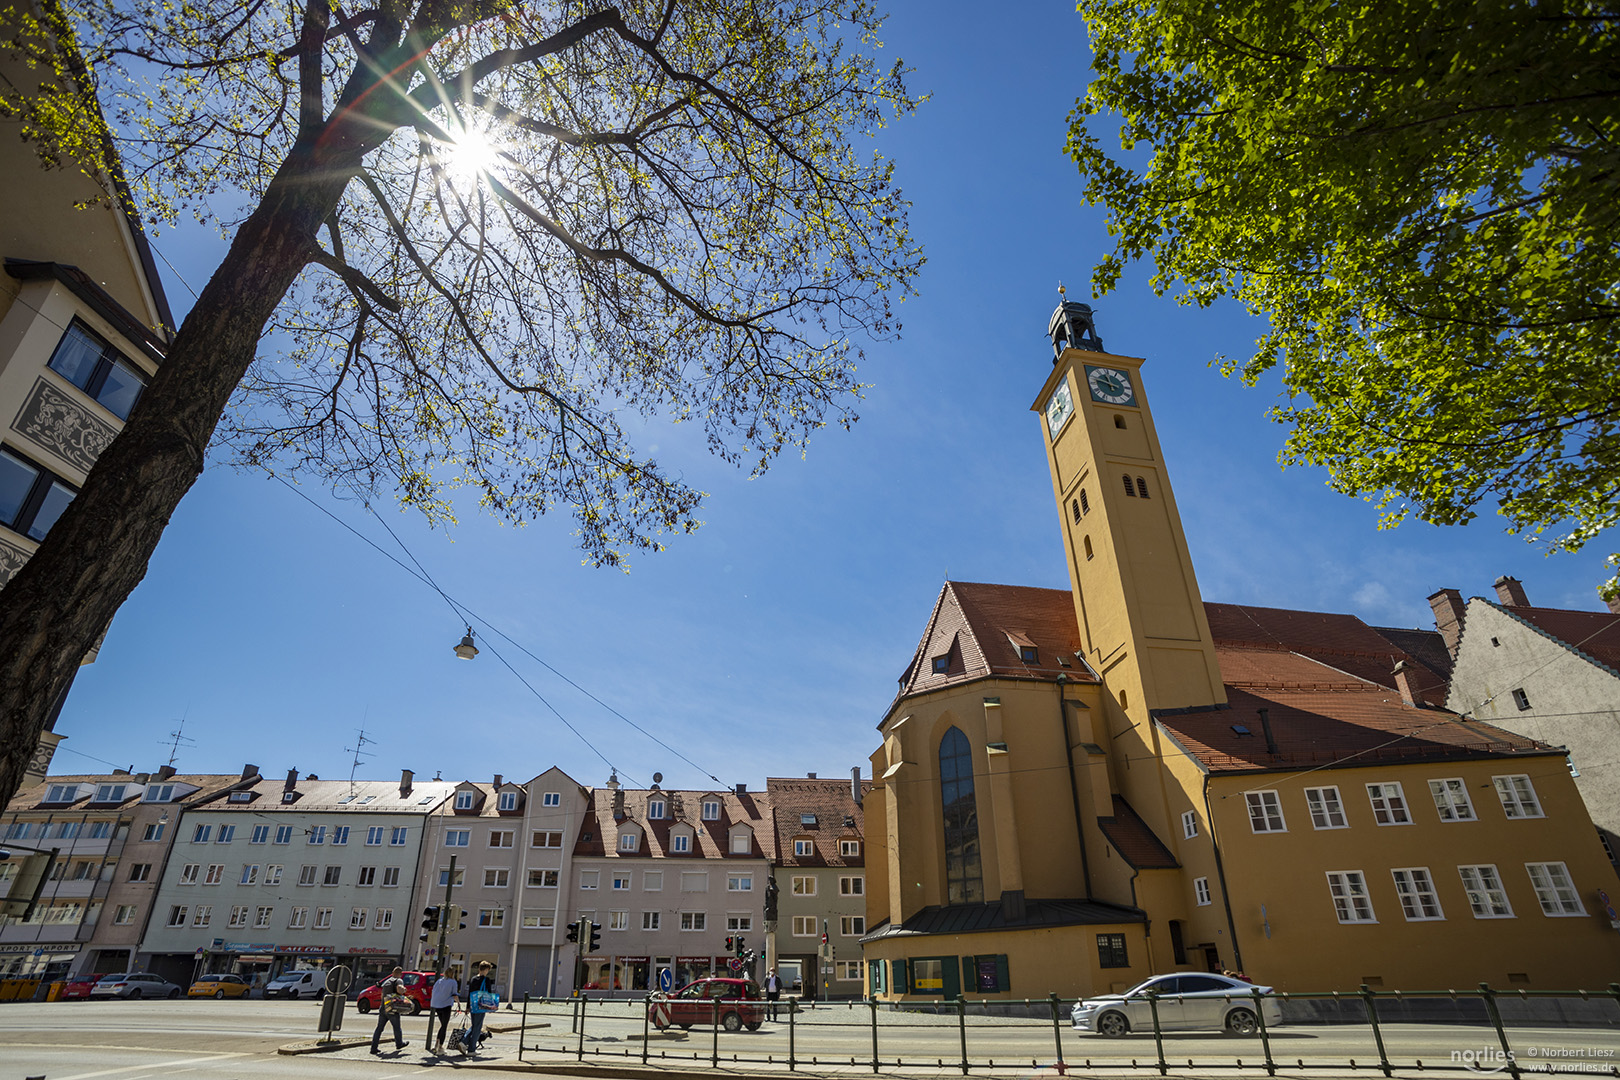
471, 154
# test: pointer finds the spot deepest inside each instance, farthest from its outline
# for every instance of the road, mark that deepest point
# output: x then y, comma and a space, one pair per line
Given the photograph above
232, 1040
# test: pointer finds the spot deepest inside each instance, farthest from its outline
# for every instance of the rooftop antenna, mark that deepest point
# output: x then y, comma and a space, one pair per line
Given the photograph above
180, 738
359, 751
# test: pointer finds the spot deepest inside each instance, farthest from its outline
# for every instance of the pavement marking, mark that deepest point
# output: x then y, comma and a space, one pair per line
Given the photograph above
155, 1065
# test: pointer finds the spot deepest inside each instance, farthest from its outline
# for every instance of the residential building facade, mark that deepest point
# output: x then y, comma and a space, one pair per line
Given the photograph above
820, 876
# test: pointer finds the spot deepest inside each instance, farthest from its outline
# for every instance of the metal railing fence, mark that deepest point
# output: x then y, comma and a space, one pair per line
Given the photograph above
1514, 1032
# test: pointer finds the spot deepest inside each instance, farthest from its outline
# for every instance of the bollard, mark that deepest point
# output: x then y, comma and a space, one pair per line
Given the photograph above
1158, 1036
714, 1054
583, 1000
961, 1028
1265, 1036
874, 1005
1378, 1034
1057, 1029
646, 1007
523, 1030
792, 1063
1501, 1033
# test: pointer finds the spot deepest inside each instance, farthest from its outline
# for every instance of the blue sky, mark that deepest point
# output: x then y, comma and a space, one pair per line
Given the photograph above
768, 643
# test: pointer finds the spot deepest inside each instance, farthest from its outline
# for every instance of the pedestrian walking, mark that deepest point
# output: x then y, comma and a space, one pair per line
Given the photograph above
445, 989
481, 999
773, 990
393, 1003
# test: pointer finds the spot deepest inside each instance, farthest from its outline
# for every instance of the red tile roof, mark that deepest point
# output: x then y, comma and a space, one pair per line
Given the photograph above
1595, 633
1134, 839
832, 802
681, 807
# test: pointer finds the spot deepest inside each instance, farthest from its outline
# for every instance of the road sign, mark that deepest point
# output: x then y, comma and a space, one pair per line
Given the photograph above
666, 980
735, 964
339, 979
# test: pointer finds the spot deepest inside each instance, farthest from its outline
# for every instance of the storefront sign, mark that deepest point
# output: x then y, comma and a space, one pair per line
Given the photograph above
366, 951
40, 948
635, 959
247, 946
303, 950
701, 961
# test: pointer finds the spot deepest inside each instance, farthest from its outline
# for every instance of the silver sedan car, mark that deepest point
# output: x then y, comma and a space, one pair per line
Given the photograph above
133, 985
1185, 1002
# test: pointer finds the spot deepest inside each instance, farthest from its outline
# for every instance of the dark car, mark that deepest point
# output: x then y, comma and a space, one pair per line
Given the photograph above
418, 987
731, 1003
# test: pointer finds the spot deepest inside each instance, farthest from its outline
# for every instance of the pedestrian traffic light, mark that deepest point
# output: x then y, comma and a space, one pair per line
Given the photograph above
730, 943
573, 932
430, 922
596, 936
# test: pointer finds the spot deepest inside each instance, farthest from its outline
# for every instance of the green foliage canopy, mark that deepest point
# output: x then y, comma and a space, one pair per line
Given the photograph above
1422, 198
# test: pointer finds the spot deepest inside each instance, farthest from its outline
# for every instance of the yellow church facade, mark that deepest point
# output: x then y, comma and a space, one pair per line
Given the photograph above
1077, 789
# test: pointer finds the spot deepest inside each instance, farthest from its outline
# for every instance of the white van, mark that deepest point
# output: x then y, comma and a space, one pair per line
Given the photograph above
297, 984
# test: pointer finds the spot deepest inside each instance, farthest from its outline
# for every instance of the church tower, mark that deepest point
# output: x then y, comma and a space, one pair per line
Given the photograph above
1136, 597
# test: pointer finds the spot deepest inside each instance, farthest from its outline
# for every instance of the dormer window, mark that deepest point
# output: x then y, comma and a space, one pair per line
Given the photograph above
655, 809
160, 793
110, 793
289, 796
802, 848
62, 793
680, 842
849, 849
240, 796
942, 664
629, 841
464, 800
1028, 654
508, 801
711, 810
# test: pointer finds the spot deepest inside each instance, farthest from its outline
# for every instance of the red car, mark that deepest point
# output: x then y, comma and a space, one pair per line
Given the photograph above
418, 987
77, 987
731, 1003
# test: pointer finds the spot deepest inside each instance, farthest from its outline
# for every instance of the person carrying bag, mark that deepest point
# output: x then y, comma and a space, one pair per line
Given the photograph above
482, 998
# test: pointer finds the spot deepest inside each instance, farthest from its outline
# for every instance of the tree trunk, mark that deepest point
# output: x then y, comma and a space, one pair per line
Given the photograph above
63, 598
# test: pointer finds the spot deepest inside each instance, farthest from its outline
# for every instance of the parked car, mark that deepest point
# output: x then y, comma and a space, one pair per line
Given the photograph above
418, 987
133, 985
308, 982
77, 987
219, 986
1185, 1002
732, 1003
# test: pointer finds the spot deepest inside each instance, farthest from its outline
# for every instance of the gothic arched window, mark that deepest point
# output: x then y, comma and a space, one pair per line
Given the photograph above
964, 881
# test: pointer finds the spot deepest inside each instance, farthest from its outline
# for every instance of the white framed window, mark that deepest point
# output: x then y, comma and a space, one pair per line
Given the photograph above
259, 835
457, 837
1327, 809
1350, 900
694, 920
849, 970
261, 918
805, 926
374, 836
739, 883
1265, 812
205, 915
62, 793
141, 871
497, 877
543, 839
272, 874
500, 838
652, 881
590, 879
1521, 699
540, 921
250, 874
551, 798
1518, 796
317, 834
201, 834
160, 793
334, 876
802, 885
1189, 824
189, 872
629, 841
227, 833
852, 885
239, 916
464, 800
655, 810
742, 842
852, 925
680, 842
1388, 804
1201, 890
177, 915
621, 882
649, 920
507, 802
1415, 887
124, 915
284, 834
739, 921
110, 793
1486, 896
1554, 889
711, 810
849, 849
695, 881
340, 834
491, 916
542, 879
396, 837
383, 919
367, 876
390, 877
299, 918
215, 874
802, 848
154, 831
618, 920
1451, 799
306, 874
323, 919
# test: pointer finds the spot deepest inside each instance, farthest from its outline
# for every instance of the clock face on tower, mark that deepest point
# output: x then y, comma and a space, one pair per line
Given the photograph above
1110, 385
1059, 409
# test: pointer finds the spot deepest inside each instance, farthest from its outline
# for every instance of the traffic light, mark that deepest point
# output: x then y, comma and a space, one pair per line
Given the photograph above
730, 943
430, 922
573, 932
596, 937
455, 918
740, 947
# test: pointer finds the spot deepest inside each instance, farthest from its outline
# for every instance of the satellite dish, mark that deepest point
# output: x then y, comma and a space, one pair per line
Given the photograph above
658, 778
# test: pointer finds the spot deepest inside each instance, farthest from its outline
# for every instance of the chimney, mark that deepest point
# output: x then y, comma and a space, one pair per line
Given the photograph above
165, 771
1448, 608
809, 776
618, 804
1265, 728
497, 784
742, 789
250, 772
1403, 682
406, 778
1510, 592
855, 784
292, 780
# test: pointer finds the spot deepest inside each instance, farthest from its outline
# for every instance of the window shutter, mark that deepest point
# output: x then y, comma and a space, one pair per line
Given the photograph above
902, 977
952, 987
1003, 975
970, 980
